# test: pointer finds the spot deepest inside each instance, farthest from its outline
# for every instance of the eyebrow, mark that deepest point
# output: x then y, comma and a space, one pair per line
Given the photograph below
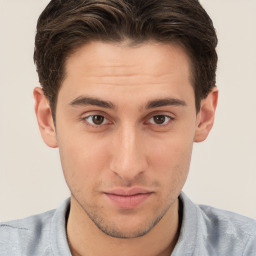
85, 101
165, 102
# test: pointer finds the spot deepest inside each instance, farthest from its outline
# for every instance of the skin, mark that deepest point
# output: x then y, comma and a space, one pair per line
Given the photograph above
142, 138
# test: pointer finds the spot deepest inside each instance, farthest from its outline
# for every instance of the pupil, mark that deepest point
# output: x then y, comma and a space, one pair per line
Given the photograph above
159, 119
98, 119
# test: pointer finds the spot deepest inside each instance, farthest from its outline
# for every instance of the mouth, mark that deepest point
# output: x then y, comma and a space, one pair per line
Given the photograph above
128, 198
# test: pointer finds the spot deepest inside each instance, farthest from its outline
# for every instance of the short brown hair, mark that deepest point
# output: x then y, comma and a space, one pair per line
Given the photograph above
66, 25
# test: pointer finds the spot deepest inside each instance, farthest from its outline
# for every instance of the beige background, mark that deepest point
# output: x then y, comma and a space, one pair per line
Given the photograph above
223, 169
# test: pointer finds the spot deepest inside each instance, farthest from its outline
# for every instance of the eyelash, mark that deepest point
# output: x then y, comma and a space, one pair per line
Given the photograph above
105, 120
169, 119
93, 124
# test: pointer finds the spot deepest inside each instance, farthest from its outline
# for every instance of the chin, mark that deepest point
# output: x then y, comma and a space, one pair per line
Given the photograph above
126, 232
128, 227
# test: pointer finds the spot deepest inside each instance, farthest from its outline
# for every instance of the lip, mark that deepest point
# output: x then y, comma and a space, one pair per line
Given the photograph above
128, 198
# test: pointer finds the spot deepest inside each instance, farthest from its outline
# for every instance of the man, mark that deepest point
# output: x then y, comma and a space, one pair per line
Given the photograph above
127, 88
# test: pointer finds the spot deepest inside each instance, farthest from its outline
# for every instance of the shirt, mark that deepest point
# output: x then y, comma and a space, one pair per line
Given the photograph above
205, 231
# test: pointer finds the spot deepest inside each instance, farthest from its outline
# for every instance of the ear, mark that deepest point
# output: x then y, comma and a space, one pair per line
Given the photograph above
44, 118
205, 117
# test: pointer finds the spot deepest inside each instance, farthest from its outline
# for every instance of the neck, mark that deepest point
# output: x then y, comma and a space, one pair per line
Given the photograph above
86, 239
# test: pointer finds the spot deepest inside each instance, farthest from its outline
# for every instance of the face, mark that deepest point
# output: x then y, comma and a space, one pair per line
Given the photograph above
125, 125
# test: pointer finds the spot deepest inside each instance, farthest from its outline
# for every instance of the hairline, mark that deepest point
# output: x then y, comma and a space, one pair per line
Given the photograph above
128, 42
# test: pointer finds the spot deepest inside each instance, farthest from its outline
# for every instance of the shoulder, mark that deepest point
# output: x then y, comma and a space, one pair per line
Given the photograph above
229, 222
229, 230
20, 235
210, 231
40, 235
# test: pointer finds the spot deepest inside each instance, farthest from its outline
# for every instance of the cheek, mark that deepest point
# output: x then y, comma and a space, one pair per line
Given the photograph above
82, 161
171, 160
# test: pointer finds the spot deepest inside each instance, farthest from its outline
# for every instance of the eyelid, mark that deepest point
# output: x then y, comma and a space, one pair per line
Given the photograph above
85, 116
91, 123
166, 121
161, 113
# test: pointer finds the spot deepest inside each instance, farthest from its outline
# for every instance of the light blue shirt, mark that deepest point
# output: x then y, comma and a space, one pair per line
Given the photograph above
204, 231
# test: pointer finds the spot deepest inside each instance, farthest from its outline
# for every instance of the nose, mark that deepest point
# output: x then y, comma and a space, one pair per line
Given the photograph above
128, 156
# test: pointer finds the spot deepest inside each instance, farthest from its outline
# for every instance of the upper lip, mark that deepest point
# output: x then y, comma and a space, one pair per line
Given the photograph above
128, 191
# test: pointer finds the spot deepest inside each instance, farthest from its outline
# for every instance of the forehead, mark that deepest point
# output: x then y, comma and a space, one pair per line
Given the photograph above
107, 59
111, 68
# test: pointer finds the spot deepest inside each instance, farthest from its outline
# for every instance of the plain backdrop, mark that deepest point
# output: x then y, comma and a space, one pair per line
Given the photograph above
223, 168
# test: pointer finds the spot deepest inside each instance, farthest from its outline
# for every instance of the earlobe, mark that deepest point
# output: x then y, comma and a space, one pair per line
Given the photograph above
205, 117
44, 118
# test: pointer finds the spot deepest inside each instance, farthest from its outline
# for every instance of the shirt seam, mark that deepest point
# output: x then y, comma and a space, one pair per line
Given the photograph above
51, 235
10, 226
249, 240
197, 221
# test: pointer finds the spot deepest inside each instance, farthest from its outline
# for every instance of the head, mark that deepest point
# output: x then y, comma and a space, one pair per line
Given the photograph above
130, 87
65, 26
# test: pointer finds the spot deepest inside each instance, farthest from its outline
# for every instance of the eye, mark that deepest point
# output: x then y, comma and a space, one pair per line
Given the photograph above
96, 120
160, 119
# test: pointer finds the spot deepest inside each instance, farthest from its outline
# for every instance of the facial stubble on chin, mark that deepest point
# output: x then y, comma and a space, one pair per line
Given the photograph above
113, 231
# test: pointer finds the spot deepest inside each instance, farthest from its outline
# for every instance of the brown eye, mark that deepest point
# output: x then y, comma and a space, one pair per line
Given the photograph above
96, 120
160, 119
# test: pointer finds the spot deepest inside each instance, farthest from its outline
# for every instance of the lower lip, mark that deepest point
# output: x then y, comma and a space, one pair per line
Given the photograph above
128, 202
